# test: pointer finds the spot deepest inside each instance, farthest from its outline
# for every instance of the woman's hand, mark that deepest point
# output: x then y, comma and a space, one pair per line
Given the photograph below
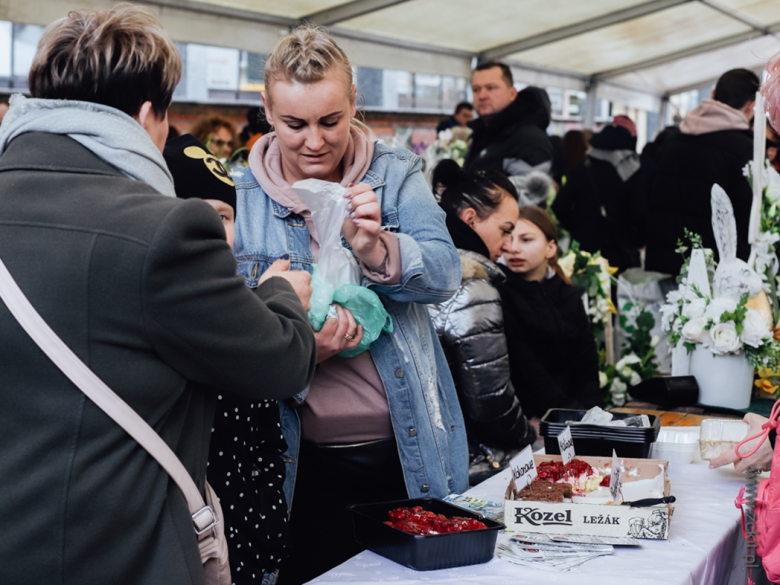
337, 335
760, 460
364, 224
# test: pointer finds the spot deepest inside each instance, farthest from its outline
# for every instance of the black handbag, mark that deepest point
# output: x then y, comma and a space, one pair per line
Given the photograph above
485, 462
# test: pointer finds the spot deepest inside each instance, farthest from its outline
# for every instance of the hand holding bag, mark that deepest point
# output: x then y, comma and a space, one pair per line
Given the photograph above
765, 531
207, 518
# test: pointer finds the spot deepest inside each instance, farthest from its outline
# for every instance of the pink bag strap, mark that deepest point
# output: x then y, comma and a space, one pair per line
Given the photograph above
203, 516
766, 428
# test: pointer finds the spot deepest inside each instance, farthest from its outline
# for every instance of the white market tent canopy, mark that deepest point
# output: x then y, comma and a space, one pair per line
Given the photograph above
636, 52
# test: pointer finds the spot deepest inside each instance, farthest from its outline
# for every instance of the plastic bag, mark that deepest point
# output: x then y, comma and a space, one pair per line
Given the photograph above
336, 277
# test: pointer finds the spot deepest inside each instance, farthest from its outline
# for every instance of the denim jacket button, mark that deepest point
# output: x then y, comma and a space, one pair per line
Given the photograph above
412, 432
399, 373
425, 488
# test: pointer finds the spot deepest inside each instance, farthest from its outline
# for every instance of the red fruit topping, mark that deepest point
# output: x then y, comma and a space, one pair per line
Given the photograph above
556, 471
605, 481
418, 521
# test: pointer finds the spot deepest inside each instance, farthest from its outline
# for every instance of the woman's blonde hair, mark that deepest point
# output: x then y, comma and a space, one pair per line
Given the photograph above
305, 56
121, 57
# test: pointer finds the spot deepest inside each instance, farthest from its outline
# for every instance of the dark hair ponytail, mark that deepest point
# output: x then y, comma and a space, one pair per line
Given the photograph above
541, 219
480, 191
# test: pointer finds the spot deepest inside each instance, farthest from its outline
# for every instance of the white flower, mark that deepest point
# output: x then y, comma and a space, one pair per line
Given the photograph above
654, 341
764, 249
675, 296
603, 379
724, 338
755, 329
567, 264
445, 136
626, 372
773, 193
618, 386
772, 182
668, 315
695, 308
635, 379
718, 306
693, 330
628, 360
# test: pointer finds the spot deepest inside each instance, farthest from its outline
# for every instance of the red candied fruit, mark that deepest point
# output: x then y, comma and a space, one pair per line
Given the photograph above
418, 521
555, 471
605, 481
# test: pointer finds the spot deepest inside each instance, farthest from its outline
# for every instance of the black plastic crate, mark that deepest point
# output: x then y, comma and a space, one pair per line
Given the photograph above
595, 440
424, 553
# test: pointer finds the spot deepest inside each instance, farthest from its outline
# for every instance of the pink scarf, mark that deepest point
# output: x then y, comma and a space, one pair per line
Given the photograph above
265, 160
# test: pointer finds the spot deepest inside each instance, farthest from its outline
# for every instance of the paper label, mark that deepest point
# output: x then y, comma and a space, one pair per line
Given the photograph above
566, 445
523, 467
615, 483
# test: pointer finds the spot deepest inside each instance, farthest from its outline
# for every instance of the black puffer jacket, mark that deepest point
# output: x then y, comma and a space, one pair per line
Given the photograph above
518, 132
471, 328
552, 353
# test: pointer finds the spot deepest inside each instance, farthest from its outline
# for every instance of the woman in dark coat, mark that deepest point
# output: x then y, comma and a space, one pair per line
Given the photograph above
552, 352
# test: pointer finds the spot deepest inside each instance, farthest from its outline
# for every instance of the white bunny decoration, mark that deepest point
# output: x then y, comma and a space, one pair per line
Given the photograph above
733, 277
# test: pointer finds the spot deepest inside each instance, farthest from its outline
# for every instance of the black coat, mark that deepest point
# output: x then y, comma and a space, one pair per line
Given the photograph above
144, 289
598, 208
686, 167
552, 352
516, 132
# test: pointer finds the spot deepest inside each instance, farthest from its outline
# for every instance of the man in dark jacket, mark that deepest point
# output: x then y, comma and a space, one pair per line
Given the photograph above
464, 112
143, 288
510, 134
713, 146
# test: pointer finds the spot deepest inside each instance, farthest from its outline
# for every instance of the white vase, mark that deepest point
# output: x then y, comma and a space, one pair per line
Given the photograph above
724, 380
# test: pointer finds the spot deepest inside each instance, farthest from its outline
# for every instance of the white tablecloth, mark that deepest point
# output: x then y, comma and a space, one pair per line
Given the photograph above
705, 545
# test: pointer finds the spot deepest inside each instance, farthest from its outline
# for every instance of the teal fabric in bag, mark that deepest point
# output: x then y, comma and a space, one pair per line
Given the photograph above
336, 277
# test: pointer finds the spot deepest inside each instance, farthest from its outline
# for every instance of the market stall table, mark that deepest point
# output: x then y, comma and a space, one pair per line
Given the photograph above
705, 545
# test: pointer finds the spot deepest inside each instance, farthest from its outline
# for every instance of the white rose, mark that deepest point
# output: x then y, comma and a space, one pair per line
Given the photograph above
655, 341
635, 379
668, 315
603, 380
693, 330
618, 386
773, 193
628, 360
567, 264
695, 308
719, 306
626, 372
755, 329
674, 296
724, 338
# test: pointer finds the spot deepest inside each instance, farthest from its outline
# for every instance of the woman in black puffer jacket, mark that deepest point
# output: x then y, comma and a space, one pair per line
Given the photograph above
553, 356
481, 213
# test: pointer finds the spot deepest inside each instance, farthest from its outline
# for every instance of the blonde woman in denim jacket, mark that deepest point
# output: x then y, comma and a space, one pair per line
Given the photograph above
385, 424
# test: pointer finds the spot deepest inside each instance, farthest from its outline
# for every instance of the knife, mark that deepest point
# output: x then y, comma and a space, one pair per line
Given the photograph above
650, 502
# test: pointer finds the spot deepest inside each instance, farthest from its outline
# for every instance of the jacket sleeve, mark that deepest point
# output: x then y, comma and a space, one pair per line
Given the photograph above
430, 265
209, 326
471, 328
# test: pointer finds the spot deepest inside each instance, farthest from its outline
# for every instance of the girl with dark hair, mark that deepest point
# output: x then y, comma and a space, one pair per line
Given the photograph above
553, 357
481, 214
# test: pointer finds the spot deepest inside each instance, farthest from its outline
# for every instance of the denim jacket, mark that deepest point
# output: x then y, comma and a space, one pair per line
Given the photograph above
424, 409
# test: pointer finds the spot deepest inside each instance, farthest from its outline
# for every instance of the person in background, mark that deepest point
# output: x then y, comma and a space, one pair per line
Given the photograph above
384, 424
713, 145
552, 351
256, 127
245, 453
510, 134
217, 133
3, 110
464, 112
141, 286
481, 214
772, 144
598, 204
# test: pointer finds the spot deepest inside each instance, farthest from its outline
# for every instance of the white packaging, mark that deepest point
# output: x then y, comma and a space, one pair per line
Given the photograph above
720, 435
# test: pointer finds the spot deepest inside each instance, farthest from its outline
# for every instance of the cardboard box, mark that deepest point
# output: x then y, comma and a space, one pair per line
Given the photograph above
594, 519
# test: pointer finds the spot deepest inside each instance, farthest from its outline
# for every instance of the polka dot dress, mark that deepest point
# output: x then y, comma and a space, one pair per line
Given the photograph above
247, 472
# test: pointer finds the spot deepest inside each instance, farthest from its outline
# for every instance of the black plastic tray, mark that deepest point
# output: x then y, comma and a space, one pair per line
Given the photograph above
598, 441
424, 553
